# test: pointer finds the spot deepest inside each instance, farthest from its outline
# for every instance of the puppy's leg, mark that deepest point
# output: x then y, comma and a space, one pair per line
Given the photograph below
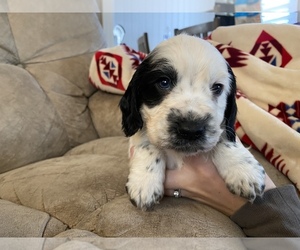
145, 184
242, 173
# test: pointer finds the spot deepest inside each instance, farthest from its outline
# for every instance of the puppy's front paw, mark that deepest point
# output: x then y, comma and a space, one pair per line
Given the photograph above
144, 194
246, 180
145, 184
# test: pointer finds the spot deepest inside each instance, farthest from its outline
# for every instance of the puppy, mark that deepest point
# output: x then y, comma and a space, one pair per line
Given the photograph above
181, 102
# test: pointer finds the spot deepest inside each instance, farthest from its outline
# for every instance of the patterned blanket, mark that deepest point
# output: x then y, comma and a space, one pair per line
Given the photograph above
266, 61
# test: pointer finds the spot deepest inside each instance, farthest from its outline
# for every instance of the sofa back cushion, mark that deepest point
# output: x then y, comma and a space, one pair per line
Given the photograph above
44, 63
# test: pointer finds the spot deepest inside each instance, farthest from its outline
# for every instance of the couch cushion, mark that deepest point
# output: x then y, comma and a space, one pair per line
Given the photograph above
66, 83
115, 146
42, 37
21, 221
85, 189
8, 50
171, 218
44, 101
106, 114
57, 49
70, 188
30, 128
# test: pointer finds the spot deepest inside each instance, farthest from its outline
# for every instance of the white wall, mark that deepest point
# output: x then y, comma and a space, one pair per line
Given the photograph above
152, 16
157, 25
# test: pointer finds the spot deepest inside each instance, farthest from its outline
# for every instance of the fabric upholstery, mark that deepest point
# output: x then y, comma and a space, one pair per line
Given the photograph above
44, 82
20, 221
105, 107
68, 90
54, 35
27, 113
85, 189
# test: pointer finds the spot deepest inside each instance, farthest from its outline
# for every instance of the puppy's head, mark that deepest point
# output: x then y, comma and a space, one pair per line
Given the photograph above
182, 96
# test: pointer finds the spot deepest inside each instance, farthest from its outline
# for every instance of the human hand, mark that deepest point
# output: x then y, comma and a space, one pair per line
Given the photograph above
199, 179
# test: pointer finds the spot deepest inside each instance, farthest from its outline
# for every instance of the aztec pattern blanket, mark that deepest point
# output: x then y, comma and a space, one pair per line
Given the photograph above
266, 61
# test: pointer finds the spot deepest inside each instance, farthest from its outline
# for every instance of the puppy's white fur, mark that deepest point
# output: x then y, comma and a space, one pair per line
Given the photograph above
199, 65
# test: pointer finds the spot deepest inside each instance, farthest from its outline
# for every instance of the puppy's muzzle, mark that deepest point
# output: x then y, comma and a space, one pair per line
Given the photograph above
191, 129
188, 133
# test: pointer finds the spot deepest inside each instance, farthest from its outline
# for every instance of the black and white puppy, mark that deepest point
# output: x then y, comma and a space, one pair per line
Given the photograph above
181, 102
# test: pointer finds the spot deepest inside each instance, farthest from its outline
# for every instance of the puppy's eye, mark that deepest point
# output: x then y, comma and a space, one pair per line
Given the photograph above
217, 89
164, 83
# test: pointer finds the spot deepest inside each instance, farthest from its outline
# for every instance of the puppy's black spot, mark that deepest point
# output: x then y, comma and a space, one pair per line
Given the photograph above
157, 160
231, 188
230, 145
146, 146
149, 168
126, 188
133, 202
149, 207
157, 196
259, 189
242, 193
175, 111
251, 197
249, 161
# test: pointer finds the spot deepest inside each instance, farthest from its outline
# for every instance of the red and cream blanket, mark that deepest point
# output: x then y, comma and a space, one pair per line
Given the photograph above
266, 61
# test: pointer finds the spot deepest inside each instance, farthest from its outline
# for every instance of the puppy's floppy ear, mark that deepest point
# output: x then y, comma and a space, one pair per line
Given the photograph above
130, 105
231, 108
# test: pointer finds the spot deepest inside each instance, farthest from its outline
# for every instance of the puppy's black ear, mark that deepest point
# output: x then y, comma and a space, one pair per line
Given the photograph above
130, 105
231, 108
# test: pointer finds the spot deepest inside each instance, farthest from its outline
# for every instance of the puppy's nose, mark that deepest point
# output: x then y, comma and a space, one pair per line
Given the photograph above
191, 130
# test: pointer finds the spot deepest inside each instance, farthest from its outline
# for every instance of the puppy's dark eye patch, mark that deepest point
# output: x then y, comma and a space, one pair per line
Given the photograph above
158, 78
217, 89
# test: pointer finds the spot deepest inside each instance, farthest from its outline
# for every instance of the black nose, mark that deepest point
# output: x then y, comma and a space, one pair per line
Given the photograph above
191, 130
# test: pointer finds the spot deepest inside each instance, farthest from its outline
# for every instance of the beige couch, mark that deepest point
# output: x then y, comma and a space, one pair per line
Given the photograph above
63, 156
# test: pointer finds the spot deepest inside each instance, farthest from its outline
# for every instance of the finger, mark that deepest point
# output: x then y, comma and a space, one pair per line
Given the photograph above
172, 180
170, 192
